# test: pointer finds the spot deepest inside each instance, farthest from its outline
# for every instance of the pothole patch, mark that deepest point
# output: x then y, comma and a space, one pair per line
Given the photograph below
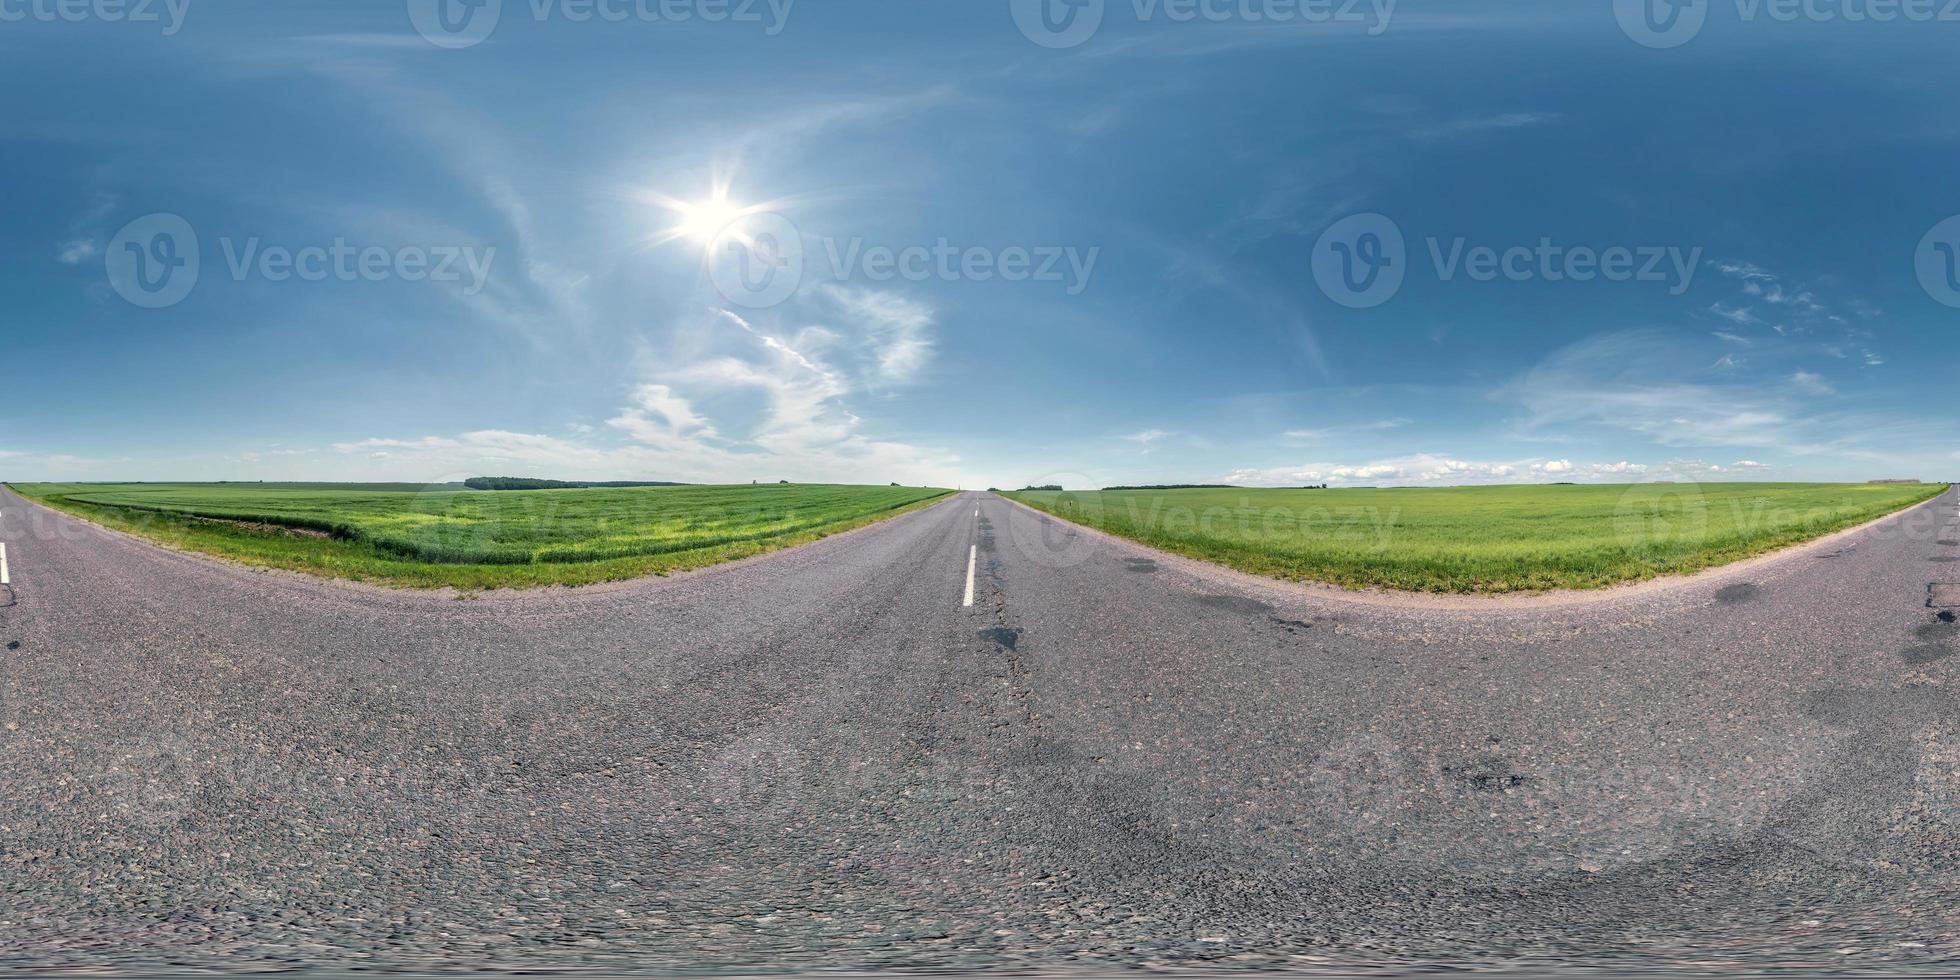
1730, 595
1233, 603
1926, 654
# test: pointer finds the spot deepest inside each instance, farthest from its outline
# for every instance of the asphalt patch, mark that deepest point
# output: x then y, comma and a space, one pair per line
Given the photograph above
1005, 637
1233, 603
13, 644
1144, 565
1949, 542
1925, 654
1289, 625
1939, 632
1730, 595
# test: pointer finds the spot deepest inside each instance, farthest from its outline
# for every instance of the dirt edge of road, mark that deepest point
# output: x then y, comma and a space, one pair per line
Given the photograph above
1397, 599
448, 594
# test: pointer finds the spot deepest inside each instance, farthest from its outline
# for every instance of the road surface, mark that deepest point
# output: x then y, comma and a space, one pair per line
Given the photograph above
825, 758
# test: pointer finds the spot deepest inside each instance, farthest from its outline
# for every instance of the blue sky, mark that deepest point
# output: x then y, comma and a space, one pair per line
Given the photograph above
1103, 256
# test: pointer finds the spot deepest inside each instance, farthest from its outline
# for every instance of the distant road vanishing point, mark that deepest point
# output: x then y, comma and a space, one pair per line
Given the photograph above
825, 757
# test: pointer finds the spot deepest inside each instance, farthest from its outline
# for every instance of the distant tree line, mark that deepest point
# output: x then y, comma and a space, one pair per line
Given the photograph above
527, 483
1051, 486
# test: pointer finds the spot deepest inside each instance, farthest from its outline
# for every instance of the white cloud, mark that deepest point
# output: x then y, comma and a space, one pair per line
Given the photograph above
1147, 436
1810, 383
1735, 314
805, 430
658, 416
896, 330
1621, 468
77, 251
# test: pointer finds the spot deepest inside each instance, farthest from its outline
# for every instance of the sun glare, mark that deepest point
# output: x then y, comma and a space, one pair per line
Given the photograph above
706, 221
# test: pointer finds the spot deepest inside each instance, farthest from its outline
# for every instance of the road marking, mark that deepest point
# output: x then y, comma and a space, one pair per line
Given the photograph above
3, 564
972, 558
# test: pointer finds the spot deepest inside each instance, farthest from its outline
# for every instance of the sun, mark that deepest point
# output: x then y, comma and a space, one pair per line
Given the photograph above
706, 221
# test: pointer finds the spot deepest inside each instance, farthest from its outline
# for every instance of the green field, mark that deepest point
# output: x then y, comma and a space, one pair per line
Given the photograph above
1480, 539
444, 535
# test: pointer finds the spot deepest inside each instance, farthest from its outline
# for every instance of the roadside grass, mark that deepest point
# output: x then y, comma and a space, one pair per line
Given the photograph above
447, 536
1480, 539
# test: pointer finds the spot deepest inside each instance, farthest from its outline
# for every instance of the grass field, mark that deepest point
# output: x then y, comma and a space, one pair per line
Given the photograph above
1480, 539
407, 534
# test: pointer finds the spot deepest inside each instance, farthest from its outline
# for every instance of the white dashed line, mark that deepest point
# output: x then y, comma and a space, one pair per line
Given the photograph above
972, 558
3, 565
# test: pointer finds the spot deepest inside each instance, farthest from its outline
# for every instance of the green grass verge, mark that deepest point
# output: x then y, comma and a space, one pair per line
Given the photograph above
1481, 539
438, 536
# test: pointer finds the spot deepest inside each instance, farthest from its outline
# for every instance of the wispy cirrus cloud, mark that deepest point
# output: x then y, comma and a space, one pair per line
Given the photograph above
1481, 124
1329, 432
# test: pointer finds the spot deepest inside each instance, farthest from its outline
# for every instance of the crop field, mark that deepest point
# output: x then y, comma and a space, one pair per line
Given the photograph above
1480, 539
445, 535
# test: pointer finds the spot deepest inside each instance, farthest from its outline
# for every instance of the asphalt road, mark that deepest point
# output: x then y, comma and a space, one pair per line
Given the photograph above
821, 758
